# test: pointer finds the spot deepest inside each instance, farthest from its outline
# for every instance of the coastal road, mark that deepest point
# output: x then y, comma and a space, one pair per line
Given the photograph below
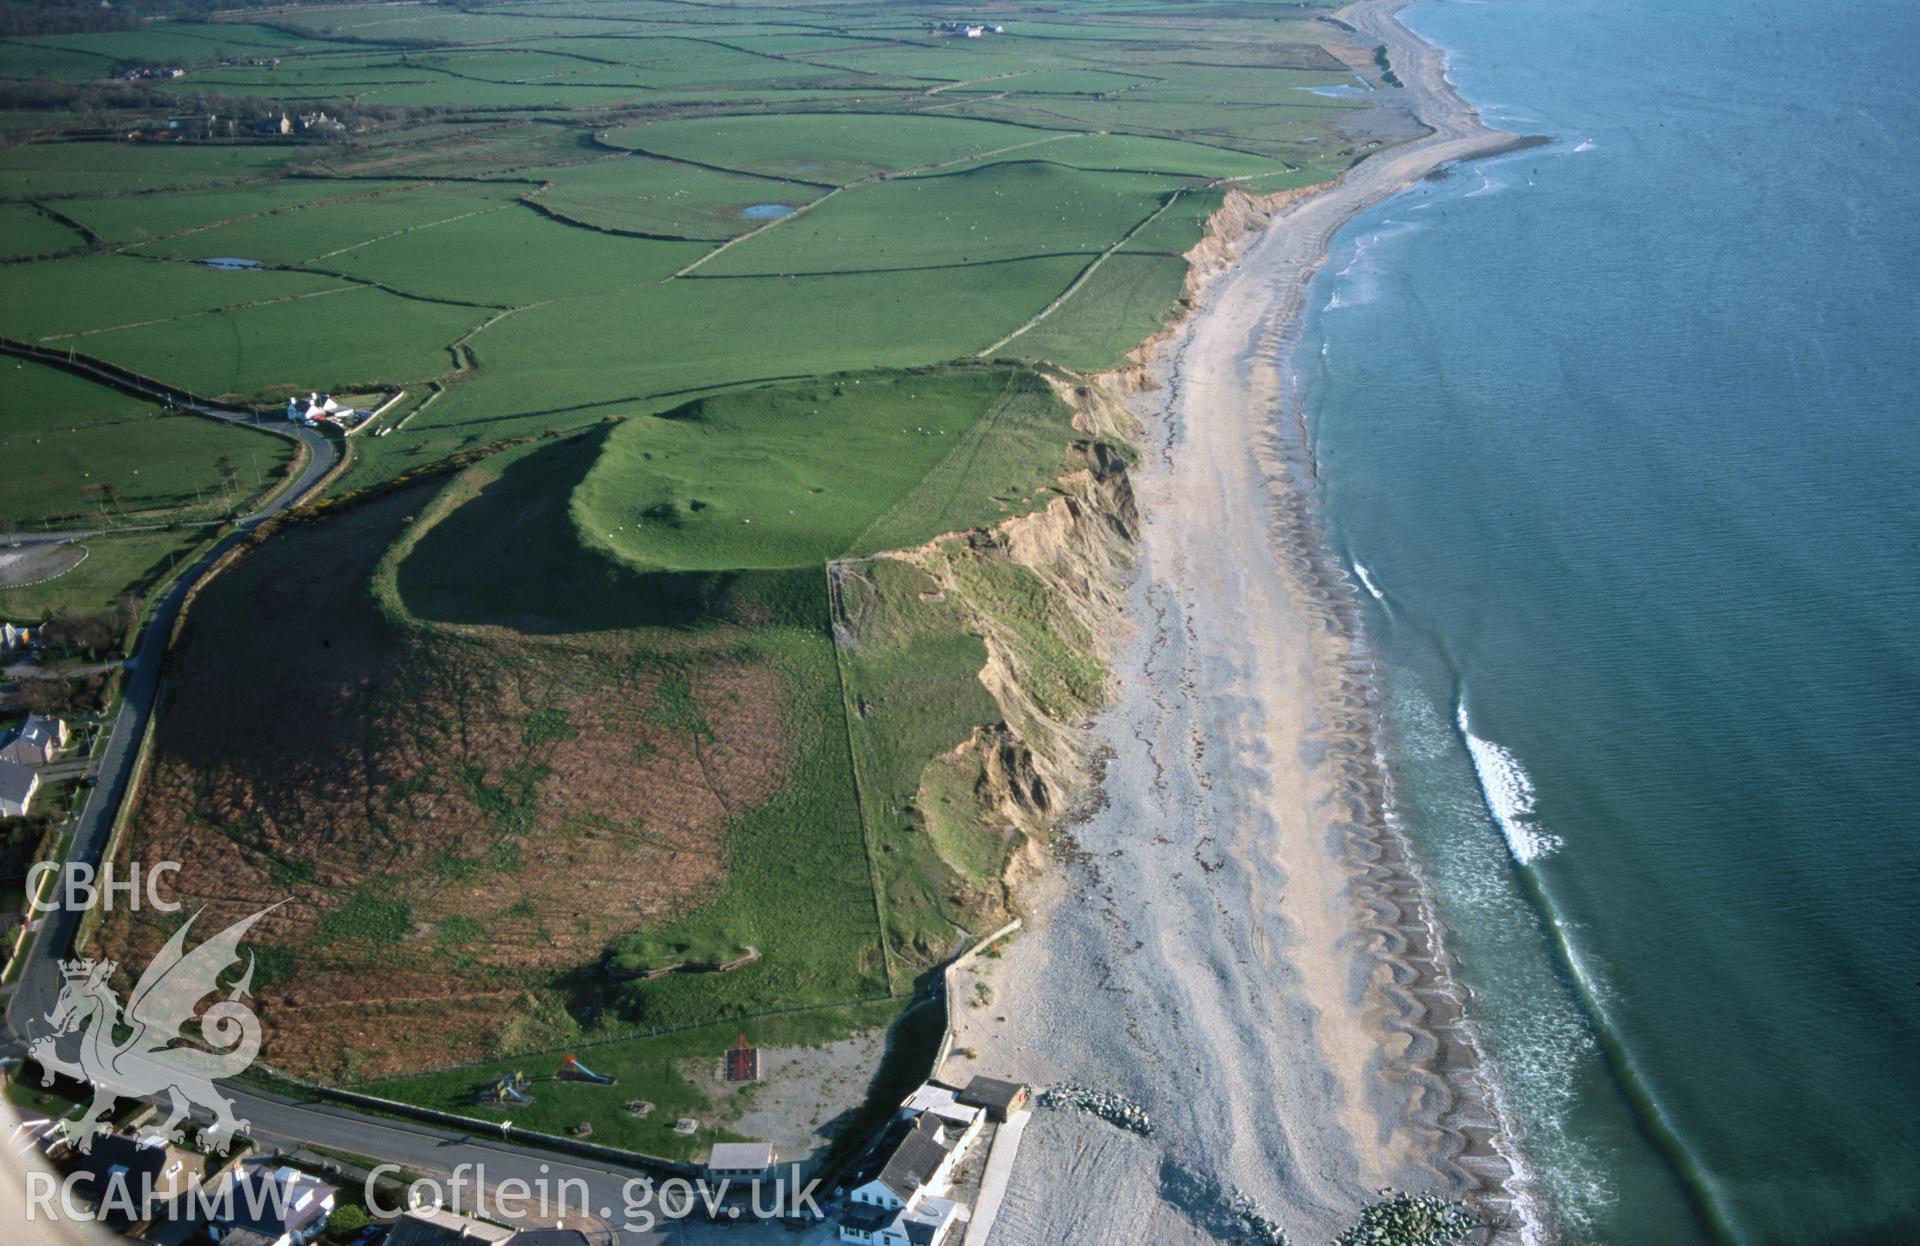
39, 980
617, 1201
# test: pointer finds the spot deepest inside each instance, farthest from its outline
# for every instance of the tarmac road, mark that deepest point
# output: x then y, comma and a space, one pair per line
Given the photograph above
39, 982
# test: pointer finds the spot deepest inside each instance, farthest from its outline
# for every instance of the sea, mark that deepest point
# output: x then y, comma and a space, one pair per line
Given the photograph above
1620, 438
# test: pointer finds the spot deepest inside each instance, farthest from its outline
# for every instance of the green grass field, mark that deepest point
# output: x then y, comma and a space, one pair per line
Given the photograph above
656, 1068
824, 149
62, 435
688, 425
912, 667
116, 565
978, 216
659, 197
26, 231
795, 475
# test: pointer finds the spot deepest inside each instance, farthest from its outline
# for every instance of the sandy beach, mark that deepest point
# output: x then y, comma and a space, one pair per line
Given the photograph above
1234, 938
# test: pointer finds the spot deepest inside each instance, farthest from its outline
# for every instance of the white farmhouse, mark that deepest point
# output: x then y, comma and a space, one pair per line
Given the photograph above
315, 409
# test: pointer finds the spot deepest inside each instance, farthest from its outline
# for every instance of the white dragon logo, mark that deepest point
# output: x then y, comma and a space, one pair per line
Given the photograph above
130, 1053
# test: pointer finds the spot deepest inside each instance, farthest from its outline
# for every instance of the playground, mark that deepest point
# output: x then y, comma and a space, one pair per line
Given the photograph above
515, 1089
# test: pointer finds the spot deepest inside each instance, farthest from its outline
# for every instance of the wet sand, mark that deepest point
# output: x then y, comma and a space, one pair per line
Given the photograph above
1235, 938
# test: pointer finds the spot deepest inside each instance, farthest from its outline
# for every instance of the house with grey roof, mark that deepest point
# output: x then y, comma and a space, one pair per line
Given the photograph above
18, 783
894, 1191
37, 741
134, 1179
739, 1161
999, 1099
439, 1226
261, 1206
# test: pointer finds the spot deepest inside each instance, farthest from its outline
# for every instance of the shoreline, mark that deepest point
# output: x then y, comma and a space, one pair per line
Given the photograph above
1310, 1044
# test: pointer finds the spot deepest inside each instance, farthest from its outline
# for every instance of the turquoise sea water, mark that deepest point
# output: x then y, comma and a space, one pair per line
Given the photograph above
1625, 433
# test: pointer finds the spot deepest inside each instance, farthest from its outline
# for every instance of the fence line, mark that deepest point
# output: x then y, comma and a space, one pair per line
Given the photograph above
506, 1131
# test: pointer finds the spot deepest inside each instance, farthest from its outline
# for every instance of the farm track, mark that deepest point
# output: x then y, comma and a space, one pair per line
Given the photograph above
869, 180
193, 315
1086, 274
255, 216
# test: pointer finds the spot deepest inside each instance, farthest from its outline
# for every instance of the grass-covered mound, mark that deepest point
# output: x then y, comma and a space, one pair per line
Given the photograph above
464, 820
795, 475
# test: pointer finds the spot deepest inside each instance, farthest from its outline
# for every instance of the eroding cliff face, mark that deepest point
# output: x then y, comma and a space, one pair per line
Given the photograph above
1241, 219
1046, 591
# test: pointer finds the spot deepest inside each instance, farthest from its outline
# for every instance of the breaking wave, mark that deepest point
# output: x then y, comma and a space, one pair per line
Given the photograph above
1507, 789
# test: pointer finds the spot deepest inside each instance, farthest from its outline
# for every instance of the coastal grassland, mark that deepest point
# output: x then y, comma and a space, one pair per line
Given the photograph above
977, 216
1015, 159
657, 346
691, 945
53, 170
523, 751
116, 566
141, 218
1127, 300
471, 146
911, 663
67, 441
662, 198
53, 300
668, 1070
323, 231
797, 474
184, 42
824, 149
1132, 153
359, 338
26, 230
467, 817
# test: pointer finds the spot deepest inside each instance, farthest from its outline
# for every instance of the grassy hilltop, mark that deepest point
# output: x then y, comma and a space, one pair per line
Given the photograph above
597, 662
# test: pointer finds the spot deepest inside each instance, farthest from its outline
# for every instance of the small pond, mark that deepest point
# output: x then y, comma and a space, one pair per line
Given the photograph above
230, 263
766, 211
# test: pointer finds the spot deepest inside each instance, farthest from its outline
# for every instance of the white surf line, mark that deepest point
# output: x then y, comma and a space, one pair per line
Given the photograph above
1086, 274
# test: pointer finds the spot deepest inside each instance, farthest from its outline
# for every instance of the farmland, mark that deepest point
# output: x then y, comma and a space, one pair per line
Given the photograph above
595, 651
66, 441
